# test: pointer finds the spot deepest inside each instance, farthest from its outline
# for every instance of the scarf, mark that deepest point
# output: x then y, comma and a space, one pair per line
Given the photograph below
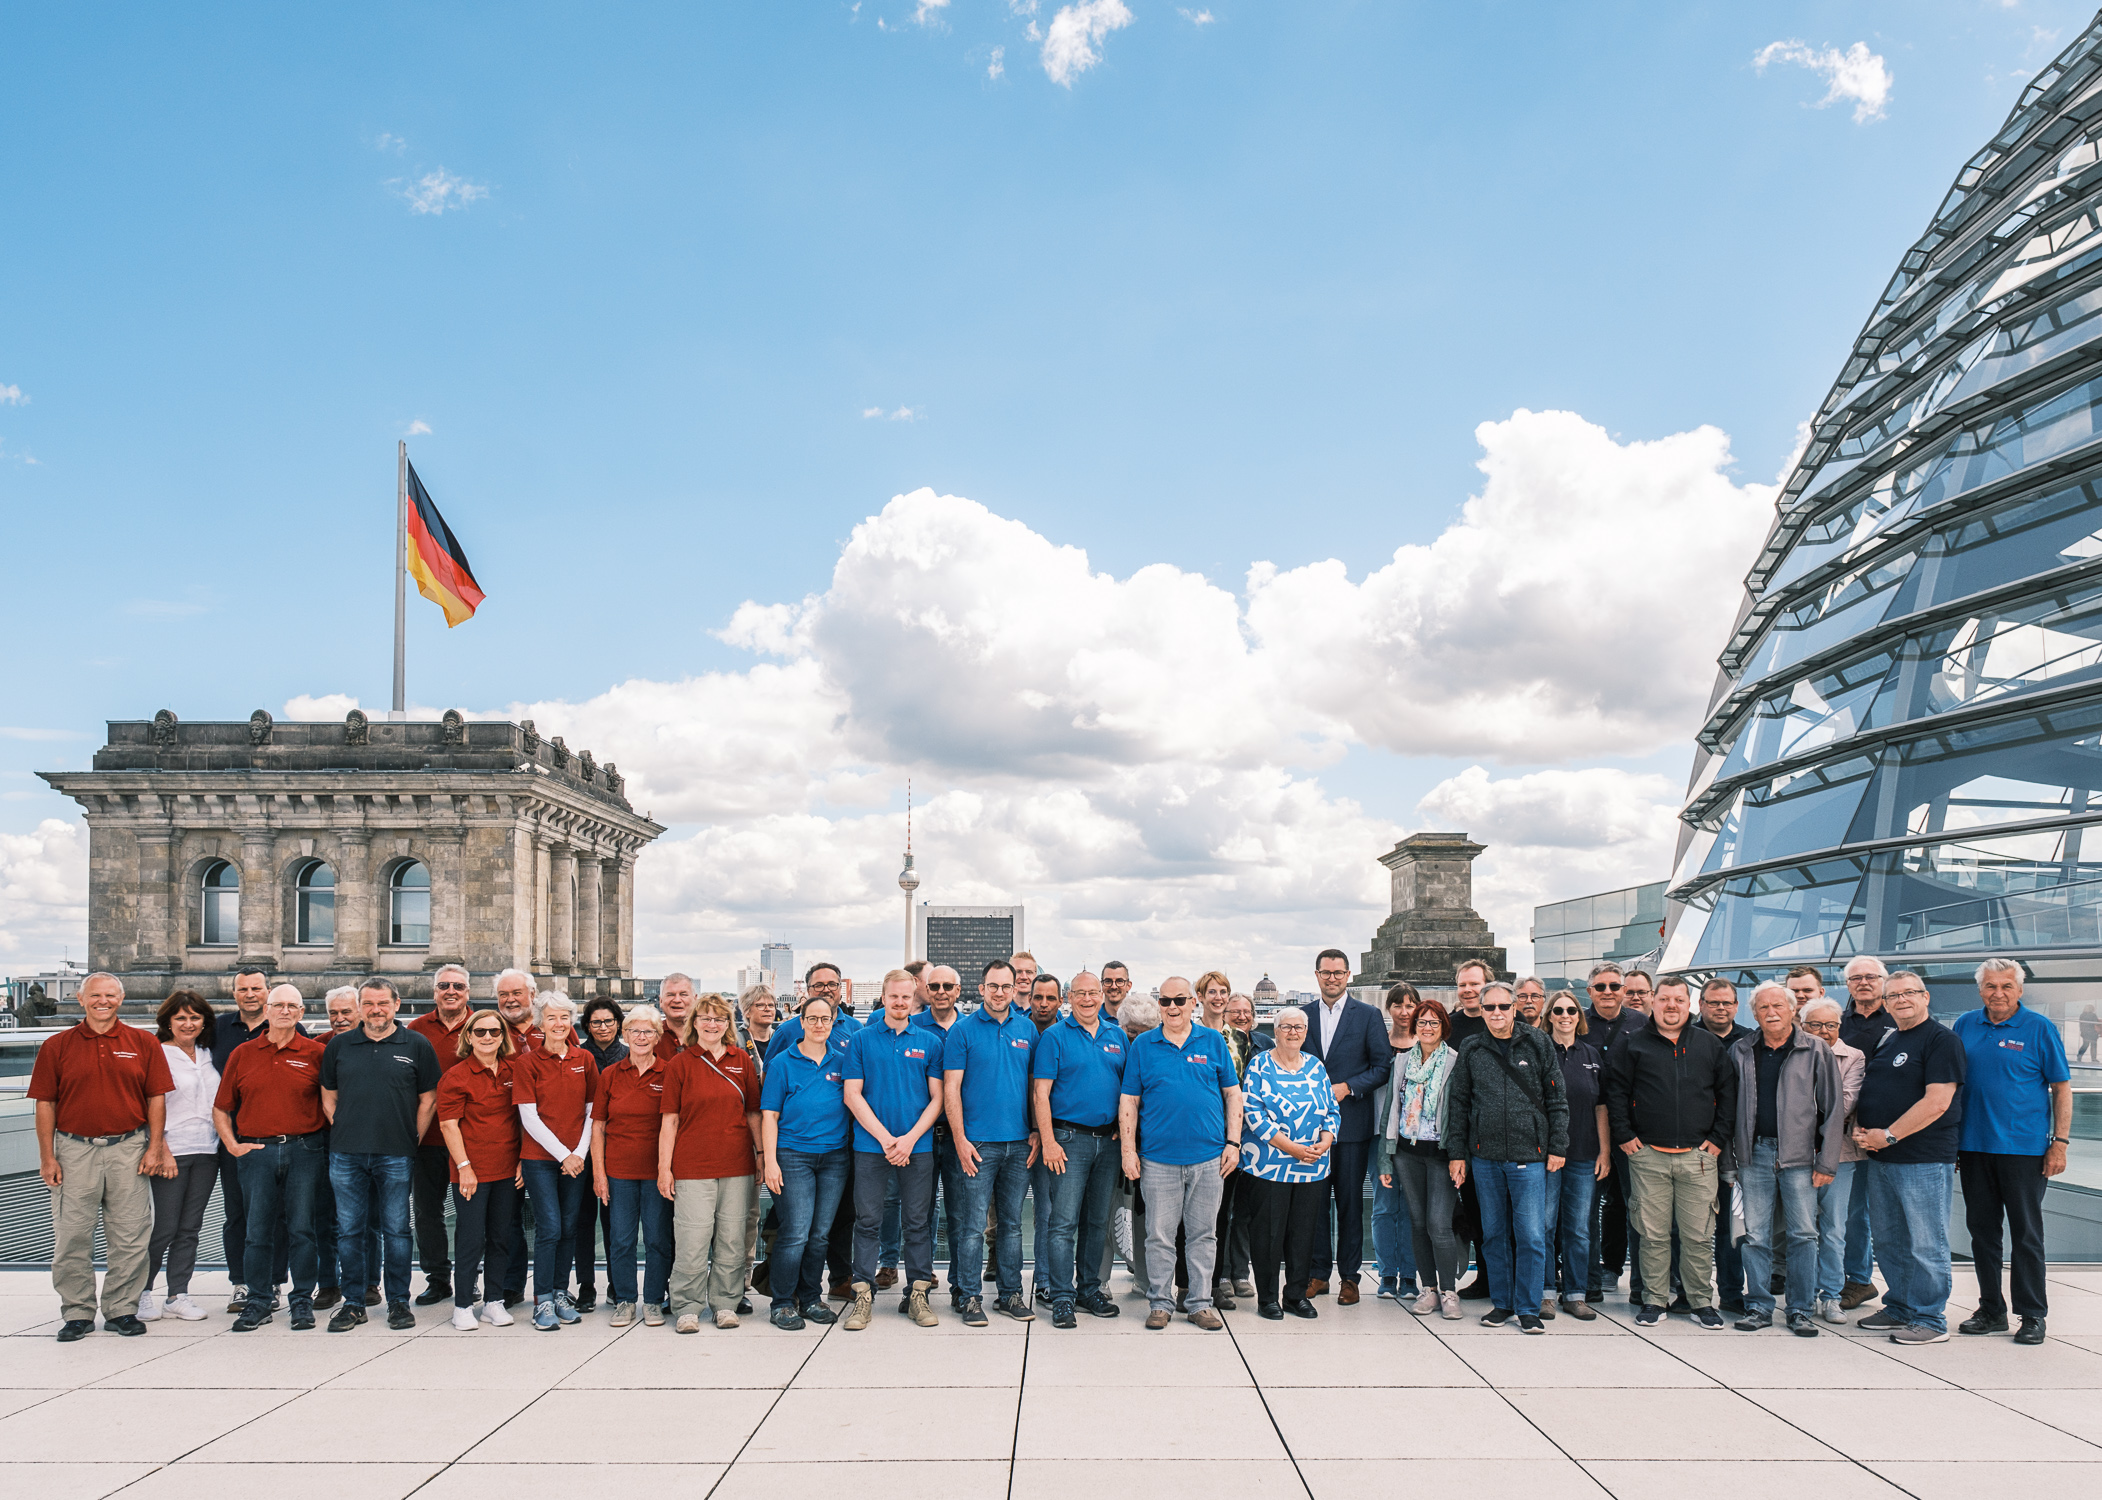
1419, 1097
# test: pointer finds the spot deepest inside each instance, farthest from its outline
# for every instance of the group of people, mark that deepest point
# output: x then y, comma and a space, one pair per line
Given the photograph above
1544, 1140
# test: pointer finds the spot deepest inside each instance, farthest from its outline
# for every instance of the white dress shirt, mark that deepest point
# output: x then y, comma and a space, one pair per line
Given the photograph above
190, 1131
1331, 1015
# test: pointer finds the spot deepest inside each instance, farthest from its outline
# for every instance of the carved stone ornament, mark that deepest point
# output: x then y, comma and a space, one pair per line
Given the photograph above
453, 728
586, 766
529, 734
259, 724
613, 779
164, 727
357, 729
559, 750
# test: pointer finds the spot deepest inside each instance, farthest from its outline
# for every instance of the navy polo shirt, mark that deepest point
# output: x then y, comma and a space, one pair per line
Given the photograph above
1182, 1106
790, 1031
378, 1086
811, 1099
1896, 1078
1086, 1072
2008, 1071
993, 1057
894, 1067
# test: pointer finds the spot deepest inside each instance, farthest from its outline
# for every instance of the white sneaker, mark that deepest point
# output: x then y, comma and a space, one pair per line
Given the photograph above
1426, 1302
149, 1307
180, 1306
464, 1319
238, 1302
495, 1314
653, 1314
623, 1314
1449, 1305
1828, 1309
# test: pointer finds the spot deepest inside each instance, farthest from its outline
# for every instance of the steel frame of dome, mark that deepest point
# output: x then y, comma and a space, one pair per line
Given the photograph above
1903, 752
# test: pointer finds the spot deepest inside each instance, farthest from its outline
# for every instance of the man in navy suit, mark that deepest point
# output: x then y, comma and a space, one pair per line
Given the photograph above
1351, 1041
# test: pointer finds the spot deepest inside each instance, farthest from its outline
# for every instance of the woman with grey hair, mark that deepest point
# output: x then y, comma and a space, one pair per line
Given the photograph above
1289, 1108
553, 1087
758, 1009
627, 1118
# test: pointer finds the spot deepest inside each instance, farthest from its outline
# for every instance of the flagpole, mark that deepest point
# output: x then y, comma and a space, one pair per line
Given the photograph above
401, 573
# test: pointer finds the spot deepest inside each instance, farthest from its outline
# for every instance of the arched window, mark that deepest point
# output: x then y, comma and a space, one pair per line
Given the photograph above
314, 899
409, 906
222, 905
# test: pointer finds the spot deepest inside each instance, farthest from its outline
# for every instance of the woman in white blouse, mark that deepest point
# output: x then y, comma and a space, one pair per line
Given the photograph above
179, 1198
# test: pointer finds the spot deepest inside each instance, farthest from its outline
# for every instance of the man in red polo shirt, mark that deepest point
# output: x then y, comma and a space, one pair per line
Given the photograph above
101, 1092
430, 1175
271, 1122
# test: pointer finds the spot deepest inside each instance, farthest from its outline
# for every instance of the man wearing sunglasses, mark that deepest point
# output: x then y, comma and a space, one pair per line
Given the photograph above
1605, 1023
430, 1178
944, 988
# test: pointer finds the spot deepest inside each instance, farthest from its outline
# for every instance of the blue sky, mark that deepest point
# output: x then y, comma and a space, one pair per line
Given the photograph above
1239, 291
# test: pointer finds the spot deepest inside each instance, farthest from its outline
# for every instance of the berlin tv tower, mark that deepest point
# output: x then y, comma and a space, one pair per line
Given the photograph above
908, 880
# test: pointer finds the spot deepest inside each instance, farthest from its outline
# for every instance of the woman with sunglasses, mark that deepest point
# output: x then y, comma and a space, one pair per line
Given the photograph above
1569, 1191
478, 1121
626, 1120
598, 1031
1393, 1235
1412, 1156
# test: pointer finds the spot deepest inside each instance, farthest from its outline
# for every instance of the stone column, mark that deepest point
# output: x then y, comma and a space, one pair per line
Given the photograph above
261, 900
612, 883
160, 939
357, 903
561, 910
624, 916
589, 868
448, 900
543, 865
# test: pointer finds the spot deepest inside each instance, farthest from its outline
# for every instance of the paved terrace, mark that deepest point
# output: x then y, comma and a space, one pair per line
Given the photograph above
1365, 1402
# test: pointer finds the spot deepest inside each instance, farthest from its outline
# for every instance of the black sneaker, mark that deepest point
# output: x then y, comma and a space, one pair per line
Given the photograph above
327, 1298
786, 1318
399, 1317
586, 1299
253, 1316
1650, 1316
744, 1307
2031, 1331
302, 1314
1097, 1305
1754, 1320
434, 1293
1062, 1315
347, 1317
1679, 1304
1801, 1324
1496, 1317
1016, 1307
75, 1329
1709, 1319
817, 1312
126, 1325
1530, 1323
974, 1312
1885, 1321
1983, 1322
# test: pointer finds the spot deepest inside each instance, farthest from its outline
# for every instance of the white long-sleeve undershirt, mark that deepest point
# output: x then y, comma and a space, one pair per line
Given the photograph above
537, 1128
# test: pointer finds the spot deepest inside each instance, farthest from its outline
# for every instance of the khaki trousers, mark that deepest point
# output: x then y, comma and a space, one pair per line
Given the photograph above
104, 1181
708, 1216
1676, 1186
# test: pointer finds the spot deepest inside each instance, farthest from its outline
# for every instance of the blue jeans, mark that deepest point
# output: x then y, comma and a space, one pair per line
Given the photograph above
557, 1203
1513, 1198
948, 1175
361, 1183
1081, 1198
1908, 1210
1001, 1183
325, 1234
636, 1204
1832, 1203
1393, 1240
1762, 1181
1860, 1254
281, 1183
811, 1182
1568, 1242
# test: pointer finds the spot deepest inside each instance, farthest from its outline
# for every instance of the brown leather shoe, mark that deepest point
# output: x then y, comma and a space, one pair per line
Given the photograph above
1317, 1287
886, 1278
1208, 1320
842, 1291
1347, 1294
1158, 1318
1854, 1293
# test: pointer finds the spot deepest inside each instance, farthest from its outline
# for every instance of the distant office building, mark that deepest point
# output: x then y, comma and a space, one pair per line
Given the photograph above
967, 938
1613, 926
777, 967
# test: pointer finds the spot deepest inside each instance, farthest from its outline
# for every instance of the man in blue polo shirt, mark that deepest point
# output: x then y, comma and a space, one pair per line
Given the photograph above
985, 1063
1179, 1115
2017, 1122
944, 991
894, 1092
1079, 1074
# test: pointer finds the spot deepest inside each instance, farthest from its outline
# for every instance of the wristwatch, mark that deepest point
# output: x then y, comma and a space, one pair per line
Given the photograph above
2061, 1140
1890, 1137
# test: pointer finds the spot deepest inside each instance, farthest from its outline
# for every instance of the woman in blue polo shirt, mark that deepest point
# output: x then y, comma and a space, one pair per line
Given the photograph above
804, 1130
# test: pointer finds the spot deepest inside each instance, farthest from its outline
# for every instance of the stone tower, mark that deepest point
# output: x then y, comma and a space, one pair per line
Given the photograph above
1433, 925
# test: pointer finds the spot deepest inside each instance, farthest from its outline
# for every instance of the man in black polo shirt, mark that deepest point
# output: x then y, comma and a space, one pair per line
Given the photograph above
1865, 1025
1612, 1230
379, 1086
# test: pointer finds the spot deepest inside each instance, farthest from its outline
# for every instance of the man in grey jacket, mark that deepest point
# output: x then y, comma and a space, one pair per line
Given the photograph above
1791, 1120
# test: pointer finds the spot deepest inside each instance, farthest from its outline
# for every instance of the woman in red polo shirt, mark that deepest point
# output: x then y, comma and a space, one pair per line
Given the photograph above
625, 1120
478, 1118
556, 1081
707, 1165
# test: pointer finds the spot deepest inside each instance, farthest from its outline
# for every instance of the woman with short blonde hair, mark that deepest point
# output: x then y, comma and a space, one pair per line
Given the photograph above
707, 1165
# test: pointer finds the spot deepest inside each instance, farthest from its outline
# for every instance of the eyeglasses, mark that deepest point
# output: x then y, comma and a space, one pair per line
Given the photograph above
1863, 979
1174, 1002
1290, 1026
1331, 973
1563, 1010
942, 989
485, 1031
1903, 994
1821, 1026
823, 985
1600, 984
598, 1021
1488, 1007
450, 984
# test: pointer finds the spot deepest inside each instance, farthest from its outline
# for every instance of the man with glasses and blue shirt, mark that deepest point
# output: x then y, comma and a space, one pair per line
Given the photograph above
1078, 1074
1179, 1119
944, 988
985, 1066
893, 1089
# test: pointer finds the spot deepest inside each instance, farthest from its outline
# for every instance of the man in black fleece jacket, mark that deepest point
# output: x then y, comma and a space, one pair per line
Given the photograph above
1671, 1097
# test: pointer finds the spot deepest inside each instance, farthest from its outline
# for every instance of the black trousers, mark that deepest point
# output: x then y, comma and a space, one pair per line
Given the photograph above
1286, 1219
430, 1179
484, 1222
1346, 1180
1609, 1224
1997, 1187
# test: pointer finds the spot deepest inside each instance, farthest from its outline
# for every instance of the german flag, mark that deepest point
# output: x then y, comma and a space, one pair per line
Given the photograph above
437, 560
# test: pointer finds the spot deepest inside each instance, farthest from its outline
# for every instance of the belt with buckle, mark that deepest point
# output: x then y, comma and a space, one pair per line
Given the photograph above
1104, 1131
273, 1140
102, 1140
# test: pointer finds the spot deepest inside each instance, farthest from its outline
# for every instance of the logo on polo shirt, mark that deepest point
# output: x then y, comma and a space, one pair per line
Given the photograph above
1200, 1058
835, 1078
919, 1052
2013, 1046
1015, 1041
409, 1060
1899, 1060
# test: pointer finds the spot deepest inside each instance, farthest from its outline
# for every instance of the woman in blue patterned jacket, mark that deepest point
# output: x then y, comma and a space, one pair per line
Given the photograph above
1290, 1109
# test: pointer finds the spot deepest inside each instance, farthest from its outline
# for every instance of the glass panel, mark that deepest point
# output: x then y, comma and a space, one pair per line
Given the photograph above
1793, 814
2026, 891
317, 916
221, 917
1799, 914
410, 899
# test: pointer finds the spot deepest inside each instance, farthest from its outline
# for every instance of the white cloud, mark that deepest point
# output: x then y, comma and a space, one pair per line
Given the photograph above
1196, 17
902, 413
44, 893
11, 395
388, 142
927, 12
435, 192
1857, 74
1072, 45
997, 66
310, 708
1021, 7
418, 428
